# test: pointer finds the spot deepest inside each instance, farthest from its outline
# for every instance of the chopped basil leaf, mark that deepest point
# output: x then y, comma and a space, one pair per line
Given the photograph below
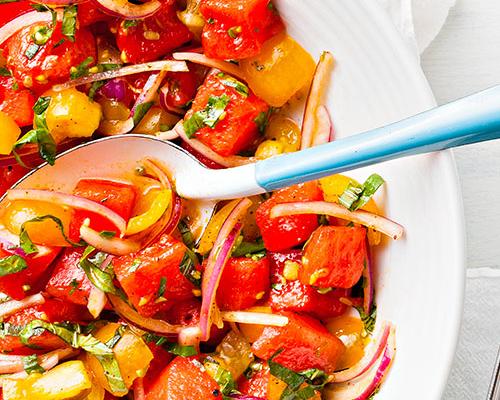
356, 196
229, 81
187, 235
99, 278
141, 111
74, 285
210, 21
107, 234
162, 287
248, 249
370, 319
209, 116
5, 72
81, 69
31, 365
116, 337
171, 347
165, 127
221, 375
41, 34
39, 135
262, 120
129, 23
32, 50
234, 31
188, 269
59, 42
69, 22
95, 87
15, 86
12, 264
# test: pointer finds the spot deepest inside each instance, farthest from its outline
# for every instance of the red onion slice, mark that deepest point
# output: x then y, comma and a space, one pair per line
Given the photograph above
128, 10
115, 89
166, 65
13, 364
318, 86
368, 283
217, 259
377, 222
12, 306
323, 130
164, 102
149, 90
21, 22
149, 324
69, 200
202, 59
114, 246
254, 318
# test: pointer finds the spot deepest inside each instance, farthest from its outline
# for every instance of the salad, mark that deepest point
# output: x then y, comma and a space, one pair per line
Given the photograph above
116, 289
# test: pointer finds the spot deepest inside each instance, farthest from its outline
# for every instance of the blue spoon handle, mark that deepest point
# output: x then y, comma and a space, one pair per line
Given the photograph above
469, 120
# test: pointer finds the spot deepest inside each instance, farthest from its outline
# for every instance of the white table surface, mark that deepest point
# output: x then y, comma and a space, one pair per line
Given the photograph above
463, 59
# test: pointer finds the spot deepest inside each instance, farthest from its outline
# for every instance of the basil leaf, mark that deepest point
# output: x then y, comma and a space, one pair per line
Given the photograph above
116, 337
249, 249
112, 372
356, 196
4, 71
95, 87
188, 269
209, 116
262, 120
141, 111
171, 347
69, 22
221, 375
107, 234
81, 69
163, 287
229, 81
128, 23
187, 235
12, 264
99, 278
370, 319
31, 365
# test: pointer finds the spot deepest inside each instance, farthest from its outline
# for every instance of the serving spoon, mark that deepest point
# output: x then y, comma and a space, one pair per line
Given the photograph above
472, 119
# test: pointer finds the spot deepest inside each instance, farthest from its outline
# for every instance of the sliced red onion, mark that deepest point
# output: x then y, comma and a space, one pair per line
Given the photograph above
254, 318
318, 86
149, 324
149, 91
323, 130
365, 385
12, 306
217, 259
168, 135
190, 336
374, 221
128, 10
13, 364
21, 22
115, 89
69, 200
245, 397
166, 65
372, 354
202, 59
368, 284
203, 149
114, 246
164, 102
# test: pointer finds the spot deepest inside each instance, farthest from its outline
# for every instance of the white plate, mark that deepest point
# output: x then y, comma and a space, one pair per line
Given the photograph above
420, 280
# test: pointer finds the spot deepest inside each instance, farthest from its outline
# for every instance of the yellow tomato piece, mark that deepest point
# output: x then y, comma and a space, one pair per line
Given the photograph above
131, 353
114, 110
281, 69
208, 239
285, 131
234, 354
149, 218
268, 149
156, 120
348, 329
67, 381
45, 232
72, 114
9, 132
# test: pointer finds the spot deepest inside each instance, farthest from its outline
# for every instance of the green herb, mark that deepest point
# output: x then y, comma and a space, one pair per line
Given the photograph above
8, 1
222, 376
69, 22
271, 7
171, 347
41, 34
368, 319
162, 287
234, 32
188, 268
249, 249
95, 87
15, 86
32, 50
5, 72
107, 67
111, 343
212, 113
135, 265
323, 220
129, 23
229, 81
164, 127
28, 246
81, 69
210, 21
187, 235
31, 365
12, 264
262, 120
99, 278
39, 135
356, 196
59, 42
107, 234
74, 285
141, 111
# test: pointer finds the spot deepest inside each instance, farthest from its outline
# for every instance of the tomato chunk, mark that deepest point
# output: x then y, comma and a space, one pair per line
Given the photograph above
304, 342
161, 358
89, 13
117, 196
52, 62
285, 232
183, 379
335, 256
10, 175
237, 130
68, 281
292, 295
152, 37
257, 385
16, 102
238, 29
151, 278
243, 283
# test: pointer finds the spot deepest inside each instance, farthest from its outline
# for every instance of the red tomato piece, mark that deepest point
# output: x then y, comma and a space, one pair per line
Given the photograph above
161, 358
52, 62
304, 341
238, 29
16, 102
117, 196
335, 256
257, 385
12, 10
182, 86
38, 264
152, 37
238, 129
68, 281
285, 232
10, 175
183, 379
89, 13
243, 283
141, 274
297, 297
